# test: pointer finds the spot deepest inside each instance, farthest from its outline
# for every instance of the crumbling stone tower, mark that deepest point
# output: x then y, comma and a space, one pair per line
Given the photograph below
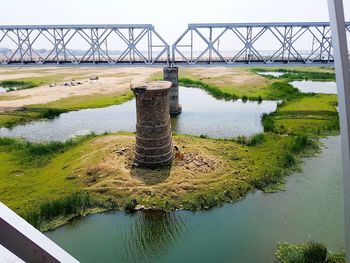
154, 145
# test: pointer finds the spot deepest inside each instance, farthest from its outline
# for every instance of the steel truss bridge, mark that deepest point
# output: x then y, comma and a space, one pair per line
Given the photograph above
140, 44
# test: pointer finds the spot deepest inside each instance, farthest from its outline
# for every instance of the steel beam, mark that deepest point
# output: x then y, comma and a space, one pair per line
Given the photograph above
82, 45
296, 43
336, 14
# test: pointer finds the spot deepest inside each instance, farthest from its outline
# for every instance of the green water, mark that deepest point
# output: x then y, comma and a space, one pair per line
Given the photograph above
311, 208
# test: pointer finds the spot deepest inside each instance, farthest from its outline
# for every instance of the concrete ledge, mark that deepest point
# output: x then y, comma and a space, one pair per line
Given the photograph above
26, 242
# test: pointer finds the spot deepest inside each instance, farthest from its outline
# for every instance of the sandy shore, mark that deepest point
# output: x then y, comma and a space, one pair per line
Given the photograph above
111, 81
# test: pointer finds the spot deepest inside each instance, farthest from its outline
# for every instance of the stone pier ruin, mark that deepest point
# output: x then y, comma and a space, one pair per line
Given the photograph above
154, 145
171, 74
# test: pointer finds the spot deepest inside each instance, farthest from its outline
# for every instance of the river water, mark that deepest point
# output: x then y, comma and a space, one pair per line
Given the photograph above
202, 115
311, 208
306, 86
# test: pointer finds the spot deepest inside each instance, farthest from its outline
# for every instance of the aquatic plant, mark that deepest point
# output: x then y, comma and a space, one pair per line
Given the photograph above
71, 204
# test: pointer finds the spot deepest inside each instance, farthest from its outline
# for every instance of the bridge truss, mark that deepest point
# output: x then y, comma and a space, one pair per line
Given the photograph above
140, 44
264, 43
82, 44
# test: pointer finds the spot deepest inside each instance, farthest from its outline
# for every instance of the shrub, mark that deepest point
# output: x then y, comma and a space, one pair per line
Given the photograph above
130, 206
252, 141
315, 253
256, 139
268, 123
299, 143
241, 139
51, 113
287, 159
283, 90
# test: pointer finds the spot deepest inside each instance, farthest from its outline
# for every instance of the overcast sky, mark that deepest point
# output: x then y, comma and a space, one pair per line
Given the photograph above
169, 17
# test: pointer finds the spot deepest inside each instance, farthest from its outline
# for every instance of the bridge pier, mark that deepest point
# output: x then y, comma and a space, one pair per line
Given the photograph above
171, 74
154, 145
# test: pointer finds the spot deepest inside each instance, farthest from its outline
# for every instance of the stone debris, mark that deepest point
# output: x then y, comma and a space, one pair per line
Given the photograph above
196, 162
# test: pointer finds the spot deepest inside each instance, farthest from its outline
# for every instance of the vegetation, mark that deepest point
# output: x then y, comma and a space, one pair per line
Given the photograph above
314, 115
93, 172
320, 76
72, 204
38, 154
11, 84
211, 89
310, 252
225, 171
252, 141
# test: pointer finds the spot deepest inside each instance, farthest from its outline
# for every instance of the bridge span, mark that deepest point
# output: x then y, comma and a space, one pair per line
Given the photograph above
232, 44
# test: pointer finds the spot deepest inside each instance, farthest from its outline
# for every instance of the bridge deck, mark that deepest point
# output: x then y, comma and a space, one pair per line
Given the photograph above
216, 44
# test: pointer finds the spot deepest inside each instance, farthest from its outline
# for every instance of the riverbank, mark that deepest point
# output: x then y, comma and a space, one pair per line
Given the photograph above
205, 173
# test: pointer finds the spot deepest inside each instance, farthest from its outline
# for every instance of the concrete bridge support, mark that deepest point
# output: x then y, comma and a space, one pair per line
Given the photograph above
171, 74
154, 145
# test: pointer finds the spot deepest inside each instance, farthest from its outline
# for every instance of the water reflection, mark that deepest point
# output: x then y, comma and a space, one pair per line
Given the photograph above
152, 234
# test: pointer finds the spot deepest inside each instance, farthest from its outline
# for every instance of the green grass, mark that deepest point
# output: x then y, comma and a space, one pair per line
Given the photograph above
38, 154
251, 141
17, 84
316, 115
69, 205
309, 252
88, 101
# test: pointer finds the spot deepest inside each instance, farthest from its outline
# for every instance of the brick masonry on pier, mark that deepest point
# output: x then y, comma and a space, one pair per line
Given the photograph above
154, 145
172, 74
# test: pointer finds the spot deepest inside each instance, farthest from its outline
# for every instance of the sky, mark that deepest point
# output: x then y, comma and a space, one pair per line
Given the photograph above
170, 18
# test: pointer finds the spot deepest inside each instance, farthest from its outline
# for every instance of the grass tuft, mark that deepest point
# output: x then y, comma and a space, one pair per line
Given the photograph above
70, 205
